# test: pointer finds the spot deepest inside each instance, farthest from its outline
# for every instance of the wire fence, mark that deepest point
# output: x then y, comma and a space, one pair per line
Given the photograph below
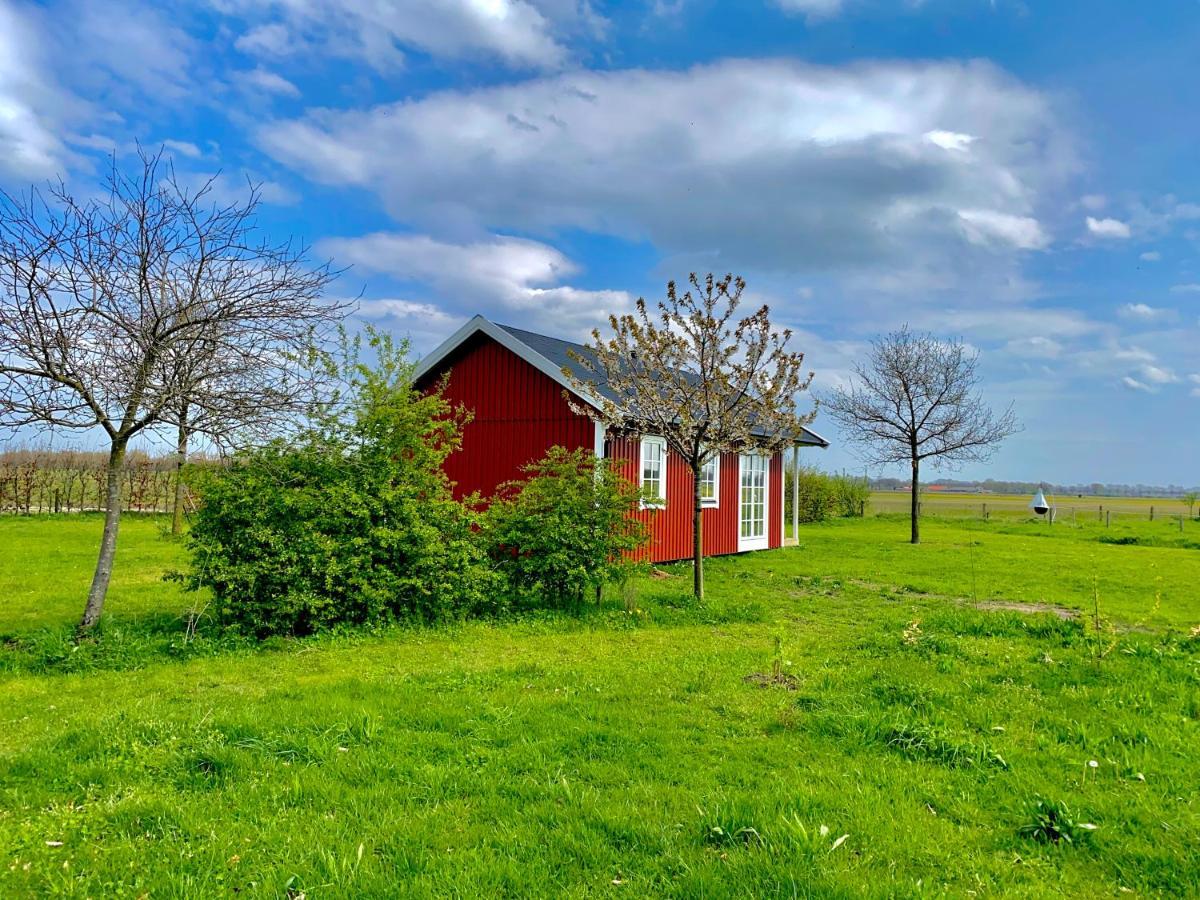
1104, 512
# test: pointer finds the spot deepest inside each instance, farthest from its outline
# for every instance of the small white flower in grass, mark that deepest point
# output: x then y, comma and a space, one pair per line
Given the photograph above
838, 842
1093, 764
54, 843
824, 831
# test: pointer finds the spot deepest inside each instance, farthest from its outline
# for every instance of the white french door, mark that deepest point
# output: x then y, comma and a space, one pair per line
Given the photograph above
753, 500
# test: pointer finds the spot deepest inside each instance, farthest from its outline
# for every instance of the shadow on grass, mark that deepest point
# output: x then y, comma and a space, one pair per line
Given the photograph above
126, 644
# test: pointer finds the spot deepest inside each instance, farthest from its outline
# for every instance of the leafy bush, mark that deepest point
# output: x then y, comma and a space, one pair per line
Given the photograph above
824, 496
1052, 822
352, 522
565, 529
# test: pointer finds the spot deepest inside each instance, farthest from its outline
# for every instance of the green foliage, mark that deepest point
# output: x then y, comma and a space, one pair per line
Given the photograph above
1052, 822
824, 496
378, 762
353, 522
566, 529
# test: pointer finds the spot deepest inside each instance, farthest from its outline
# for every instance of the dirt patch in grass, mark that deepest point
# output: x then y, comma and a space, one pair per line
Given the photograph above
1062, 612
773, 679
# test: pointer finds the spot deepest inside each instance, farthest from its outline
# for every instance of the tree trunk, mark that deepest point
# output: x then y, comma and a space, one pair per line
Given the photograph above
181, 452
108, 543
916, 501
697, 536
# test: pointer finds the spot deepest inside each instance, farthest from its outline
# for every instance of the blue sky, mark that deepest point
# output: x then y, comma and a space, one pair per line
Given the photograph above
1020, 175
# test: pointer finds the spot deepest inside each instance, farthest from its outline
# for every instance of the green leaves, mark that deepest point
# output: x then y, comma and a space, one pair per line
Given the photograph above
351, 523
566, 529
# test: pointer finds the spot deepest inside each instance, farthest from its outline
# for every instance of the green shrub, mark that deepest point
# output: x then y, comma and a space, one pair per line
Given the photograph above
566, 529
824, 496
1052, 822
351, 523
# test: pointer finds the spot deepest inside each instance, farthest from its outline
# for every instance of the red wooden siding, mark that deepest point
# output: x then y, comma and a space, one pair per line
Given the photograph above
520, 413
671, 526
775, 503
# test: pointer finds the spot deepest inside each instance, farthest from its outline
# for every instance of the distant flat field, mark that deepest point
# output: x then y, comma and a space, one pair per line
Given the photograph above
960, 503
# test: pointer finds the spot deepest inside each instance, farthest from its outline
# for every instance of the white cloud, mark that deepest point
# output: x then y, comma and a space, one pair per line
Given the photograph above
1150, 256
1157, 375
227, 188
950, 140
501, 275
774, 162
986, 226
1150, 378
1134, 385
1107, 228
30, 143
811, 9
182, 148
1009, 324
1193, 288
1144, 312
424, 324
267, 81
1093, 202
125, 52
516, 32
1036, 347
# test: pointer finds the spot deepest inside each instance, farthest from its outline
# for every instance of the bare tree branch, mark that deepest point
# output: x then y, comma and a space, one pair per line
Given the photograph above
914, 399
695, 374
151, 307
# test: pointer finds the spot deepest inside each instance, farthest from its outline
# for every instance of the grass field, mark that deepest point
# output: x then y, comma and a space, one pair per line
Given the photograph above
1071, 508
899, 752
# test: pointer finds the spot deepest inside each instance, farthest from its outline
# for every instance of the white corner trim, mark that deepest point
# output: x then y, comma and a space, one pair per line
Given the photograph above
479, 324
598, 440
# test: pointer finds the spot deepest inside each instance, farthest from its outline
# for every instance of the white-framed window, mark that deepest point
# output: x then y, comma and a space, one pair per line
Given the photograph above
710, 482
653, 479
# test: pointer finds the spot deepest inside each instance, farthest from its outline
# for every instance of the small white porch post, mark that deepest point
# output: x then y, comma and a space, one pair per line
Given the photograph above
796, 491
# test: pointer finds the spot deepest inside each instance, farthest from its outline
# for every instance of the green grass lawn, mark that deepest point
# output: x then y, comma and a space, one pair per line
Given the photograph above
623, 752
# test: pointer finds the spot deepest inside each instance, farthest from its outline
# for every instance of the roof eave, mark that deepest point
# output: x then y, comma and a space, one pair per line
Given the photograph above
478, 324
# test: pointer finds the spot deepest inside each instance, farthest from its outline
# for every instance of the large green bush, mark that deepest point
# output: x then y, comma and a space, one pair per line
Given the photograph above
352, 522
824, 496
565, 530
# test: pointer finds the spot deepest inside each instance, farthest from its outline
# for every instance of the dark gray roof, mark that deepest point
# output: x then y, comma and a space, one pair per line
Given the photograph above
558, 351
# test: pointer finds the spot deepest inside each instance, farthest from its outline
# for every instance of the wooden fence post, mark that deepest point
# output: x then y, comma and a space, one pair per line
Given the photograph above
1151, 513
1107, 517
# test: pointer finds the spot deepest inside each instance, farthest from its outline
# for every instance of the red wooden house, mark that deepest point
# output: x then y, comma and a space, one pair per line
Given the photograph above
513, 382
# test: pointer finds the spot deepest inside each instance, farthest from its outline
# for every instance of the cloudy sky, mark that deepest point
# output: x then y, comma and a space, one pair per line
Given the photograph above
1022, 175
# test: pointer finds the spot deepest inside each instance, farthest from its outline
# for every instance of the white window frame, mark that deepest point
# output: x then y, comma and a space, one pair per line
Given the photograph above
655, 441
713, 502
747, 462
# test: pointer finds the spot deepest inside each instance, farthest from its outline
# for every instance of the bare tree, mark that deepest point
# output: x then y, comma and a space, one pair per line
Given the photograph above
706, 382
914, 399
106, 303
